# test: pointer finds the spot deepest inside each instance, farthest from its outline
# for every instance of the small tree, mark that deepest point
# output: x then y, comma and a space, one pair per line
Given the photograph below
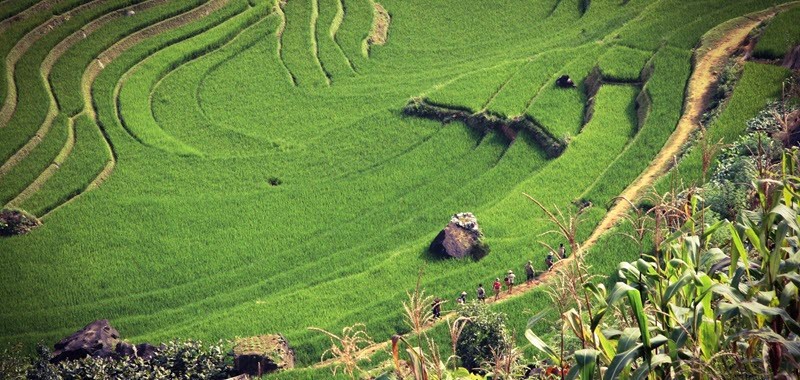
482, 336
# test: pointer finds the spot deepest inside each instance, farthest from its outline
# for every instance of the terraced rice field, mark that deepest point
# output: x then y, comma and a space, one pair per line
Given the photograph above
222, 168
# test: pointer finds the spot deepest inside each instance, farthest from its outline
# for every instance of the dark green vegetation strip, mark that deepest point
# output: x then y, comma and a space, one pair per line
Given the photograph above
11, 8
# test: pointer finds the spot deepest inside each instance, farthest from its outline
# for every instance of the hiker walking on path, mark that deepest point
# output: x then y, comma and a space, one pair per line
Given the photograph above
462, 299
481, 293
562, 252
529, 272
548, 261
510, 280
437, 308
496, 286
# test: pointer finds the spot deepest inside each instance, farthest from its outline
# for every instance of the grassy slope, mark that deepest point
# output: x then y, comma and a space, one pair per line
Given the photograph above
205, 247
781, 35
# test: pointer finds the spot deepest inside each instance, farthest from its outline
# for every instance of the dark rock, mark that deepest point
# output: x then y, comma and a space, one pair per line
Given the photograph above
98, 339
146, 351
792, 60
16, 222
565, 81
460, 238
262, 354
125, 349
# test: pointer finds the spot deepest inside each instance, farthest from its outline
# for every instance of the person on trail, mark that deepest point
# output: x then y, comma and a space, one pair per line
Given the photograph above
510, 283
437, 308
549, 260
462, 299
481, 293
529, 272
496, 286
562, 252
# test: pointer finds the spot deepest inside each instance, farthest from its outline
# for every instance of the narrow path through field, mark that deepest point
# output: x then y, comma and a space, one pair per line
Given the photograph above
704, 76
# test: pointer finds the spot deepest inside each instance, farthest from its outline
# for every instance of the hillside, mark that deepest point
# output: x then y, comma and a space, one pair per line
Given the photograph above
223, 168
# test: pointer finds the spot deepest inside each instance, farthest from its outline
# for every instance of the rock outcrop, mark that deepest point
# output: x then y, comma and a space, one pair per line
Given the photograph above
792, 59
461, 237
262, 354
565, 81
98, 339
16, 222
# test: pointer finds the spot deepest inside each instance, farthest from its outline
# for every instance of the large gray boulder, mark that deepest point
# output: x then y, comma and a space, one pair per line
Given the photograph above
461, 237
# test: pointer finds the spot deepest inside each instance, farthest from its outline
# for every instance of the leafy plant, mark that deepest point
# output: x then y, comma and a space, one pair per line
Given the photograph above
173, 360
692, 308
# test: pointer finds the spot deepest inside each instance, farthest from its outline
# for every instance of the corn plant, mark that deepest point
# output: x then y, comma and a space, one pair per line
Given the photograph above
344, 349
697, 310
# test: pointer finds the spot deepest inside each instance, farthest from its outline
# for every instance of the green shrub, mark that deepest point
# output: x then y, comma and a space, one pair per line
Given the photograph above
485, 331
174, 360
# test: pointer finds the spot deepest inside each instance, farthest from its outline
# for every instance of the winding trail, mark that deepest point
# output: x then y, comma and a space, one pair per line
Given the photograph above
698, 92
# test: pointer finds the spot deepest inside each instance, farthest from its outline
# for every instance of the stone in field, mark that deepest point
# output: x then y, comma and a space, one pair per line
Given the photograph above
460, 238
565, 81
16, 222
98, 339
792, 59
262, 354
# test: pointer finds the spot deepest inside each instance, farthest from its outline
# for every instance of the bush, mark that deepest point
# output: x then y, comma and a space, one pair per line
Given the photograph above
16, 222
485, 331
728, 190
13, 364
174, 360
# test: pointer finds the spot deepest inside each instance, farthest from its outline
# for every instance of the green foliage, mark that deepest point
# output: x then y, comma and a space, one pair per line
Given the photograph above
364, 188
173, 360
13, 363
484, 332
780, 36
722, 90
703, 304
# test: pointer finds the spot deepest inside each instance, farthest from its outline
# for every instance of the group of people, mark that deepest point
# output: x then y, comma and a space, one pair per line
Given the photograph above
508, 281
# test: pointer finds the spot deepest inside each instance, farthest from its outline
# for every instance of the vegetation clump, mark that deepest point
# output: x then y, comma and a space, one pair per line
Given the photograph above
745, 160
691, 306
17, 222
174, 360
485, 121
484, 334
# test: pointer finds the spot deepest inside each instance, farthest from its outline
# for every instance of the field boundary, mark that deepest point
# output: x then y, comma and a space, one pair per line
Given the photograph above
21, 47
46, 68
106, 57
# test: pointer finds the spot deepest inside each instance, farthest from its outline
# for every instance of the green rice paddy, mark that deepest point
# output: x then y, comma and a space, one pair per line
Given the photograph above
147, 144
